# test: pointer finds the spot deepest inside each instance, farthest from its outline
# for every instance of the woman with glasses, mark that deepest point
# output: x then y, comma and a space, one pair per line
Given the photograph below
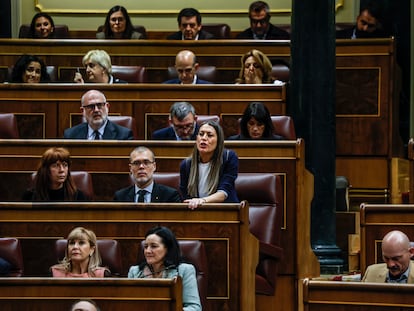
256, 68
118, 25
29, 69
208, 175
53, 181
98, 69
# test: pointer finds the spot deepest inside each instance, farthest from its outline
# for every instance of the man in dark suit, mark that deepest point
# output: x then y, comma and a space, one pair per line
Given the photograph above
189, 23
183, 125
186, 65
260, 26
368, 24
95, 111
142, 167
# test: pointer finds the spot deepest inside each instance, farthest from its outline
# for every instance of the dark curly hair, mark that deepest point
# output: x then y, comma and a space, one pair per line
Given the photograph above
21, 66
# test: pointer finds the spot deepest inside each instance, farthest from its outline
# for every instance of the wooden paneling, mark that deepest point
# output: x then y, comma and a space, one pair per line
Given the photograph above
355, 296
27, 294
107, 161
232, 251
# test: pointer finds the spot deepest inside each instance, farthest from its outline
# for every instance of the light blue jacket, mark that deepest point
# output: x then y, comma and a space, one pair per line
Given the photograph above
191, 298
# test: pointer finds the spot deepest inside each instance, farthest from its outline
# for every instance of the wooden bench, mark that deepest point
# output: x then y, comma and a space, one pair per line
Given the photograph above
107, 161
356, 296
45, 111
28, 294
232, 251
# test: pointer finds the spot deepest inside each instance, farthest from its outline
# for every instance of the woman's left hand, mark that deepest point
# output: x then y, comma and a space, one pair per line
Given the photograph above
195, 202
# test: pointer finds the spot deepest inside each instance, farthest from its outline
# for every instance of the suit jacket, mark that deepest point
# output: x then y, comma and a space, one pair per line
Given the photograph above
348, 32
228, 175
202, 35
178, 81
160, 194
377, 273
112, 131
167, 133
274, 33
187, 272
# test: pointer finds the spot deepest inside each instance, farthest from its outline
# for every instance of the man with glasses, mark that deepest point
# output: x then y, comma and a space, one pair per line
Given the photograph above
142, 166
260, 26
95, 111
189, 23
368, 24
183, 125
186, 65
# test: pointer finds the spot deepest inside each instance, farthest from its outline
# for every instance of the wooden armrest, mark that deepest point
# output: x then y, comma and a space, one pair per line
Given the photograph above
269, 250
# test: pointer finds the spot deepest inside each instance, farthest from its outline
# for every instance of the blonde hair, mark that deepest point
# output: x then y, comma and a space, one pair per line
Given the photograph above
264, 63
99, 57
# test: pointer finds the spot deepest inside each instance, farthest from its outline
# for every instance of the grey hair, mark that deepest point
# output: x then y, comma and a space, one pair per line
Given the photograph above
100, 57
180, 110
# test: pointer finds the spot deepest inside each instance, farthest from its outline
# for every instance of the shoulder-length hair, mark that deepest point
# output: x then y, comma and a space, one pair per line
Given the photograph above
168, 239
21, 65
100, 57
42, 179
33, 33
80, 233
260, 112
129, 28
215, 163
263, 62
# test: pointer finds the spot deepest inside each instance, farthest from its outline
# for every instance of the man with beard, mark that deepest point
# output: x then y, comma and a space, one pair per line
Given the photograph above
397, 266
95, 111
142, 166
368, 24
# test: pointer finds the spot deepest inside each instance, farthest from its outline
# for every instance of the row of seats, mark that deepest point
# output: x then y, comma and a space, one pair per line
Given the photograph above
283, 125
138, 74
219, 30
110, 251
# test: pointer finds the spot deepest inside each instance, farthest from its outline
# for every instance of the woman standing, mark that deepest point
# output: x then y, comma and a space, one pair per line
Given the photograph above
208, 175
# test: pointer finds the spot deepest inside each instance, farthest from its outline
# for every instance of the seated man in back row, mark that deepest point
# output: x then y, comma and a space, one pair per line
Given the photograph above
186, 65
183, 125
397, 266
95, 111
189, 23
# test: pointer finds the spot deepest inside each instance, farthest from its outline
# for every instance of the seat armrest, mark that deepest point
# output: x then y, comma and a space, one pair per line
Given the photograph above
270, 250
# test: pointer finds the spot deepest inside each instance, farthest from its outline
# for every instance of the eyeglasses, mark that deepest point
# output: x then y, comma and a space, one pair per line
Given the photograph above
92, 106
59, 164
185, 70
255, 65
183, 127
144, 163
262, 22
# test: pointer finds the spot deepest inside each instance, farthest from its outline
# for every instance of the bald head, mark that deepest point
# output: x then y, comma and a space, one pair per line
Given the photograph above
186, 66
396, 252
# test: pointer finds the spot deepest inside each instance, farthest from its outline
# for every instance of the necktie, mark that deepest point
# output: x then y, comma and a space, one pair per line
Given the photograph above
97, 135
141, 194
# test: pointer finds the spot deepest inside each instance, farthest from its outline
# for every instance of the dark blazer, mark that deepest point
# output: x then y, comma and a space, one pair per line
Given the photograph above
167, 133
202, 35
348, 32
160, 194
112, 131
228, 175
274, 33
178, 81
240, 137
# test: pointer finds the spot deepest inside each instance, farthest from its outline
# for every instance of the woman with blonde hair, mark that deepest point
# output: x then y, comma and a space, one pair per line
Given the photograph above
256, 68
82, 257
53, 181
